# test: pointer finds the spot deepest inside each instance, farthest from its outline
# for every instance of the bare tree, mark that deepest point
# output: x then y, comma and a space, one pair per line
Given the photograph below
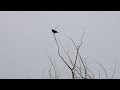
78, 67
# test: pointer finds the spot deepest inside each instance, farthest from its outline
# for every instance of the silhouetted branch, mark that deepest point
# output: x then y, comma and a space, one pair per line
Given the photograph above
78, 70
68, 47
99, 74
102, 67
43, 73
61, 71
114, 71
63, 58
66, 52
51, 76
29, 77
52, 64
78, 54
59, 53
85, 69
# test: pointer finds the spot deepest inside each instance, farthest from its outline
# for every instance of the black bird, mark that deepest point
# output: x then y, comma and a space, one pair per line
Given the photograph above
54, 31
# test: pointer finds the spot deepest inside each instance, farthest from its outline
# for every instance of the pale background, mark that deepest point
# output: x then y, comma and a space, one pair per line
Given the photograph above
25, 34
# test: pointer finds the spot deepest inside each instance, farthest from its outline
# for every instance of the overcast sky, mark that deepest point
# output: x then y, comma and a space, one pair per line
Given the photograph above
24, 36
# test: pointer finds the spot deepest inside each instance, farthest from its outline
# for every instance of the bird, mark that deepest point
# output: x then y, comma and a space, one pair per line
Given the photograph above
54, 31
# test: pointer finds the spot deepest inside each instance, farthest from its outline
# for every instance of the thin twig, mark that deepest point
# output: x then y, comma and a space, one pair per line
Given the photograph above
77, 52
52, 64
63, 58
61, 71
85, 69
99, 74
68, 47
102, 67
43, 73
60, 54
29, 76
114, 70
66, 52
51, 76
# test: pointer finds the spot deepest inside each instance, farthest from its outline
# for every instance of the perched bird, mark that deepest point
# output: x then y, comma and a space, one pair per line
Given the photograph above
54, 31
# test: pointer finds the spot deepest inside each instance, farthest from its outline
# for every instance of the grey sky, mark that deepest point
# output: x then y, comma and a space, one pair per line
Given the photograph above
25, 34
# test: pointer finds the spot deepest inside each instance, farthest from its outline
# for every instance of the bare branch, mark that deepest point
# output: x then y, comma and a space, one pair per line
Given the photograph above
60, 54
66, 52
99, 74
51, 76
52, 64
85, 69
29, 76
114, 71
78, 54
43, 73
68, 47
102, 67
61, 71
57, 27
82, 39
